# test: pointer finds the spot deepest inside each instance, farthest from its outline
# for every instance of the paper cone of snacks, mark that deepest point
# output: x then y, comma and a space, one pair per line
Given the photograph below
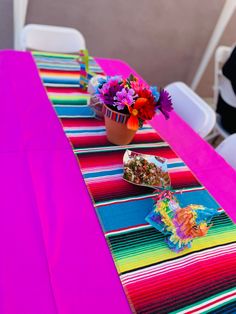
146, 170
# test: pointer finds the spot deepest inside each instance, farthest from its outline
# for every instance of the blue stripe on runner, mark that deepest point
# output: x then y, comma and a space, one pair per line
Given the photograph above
174, 165
74, 111
197, 197
60, 80
85, 131
103, 173
132, 213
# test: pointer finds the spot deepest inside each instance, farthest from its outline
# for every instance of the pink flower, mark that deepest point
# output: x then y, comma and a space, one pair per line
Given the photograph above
137, 86
124, 98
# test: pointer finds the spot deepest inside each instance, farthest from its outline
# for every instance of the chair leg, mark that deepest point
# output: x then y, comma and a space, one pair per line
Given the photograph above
214, 133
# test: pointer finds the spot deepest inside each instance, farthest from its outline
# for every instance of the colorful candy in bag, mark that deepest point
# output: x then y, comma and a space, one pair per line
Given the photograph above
179, 225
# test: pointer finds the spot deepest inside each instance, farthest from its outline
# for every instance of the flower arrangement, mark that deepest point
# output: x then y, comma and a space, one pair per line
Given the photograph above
133, 97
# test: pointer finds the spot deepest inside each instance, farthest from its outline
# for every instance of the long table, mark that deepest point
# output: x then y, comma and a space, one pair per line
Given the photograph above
54, 257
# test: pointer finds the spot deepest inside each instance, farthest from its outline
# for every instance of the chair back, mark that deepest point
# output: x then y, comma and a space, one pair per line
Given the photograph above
193, 109
51, 39
221, 55
227, 149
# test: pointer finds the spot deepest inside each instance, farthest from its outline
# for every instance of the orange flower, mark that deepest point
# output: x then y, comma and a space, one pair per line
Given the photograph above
143, 109
186, 220
133, 122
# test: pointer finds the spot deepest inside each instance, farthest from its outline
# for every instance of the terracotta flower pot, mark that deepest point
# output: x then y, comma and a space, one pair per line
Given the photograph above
117, 131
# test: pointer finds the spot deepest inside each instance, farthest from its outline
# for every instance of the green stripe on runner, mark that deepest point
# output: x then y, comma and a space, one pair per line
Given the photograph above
69, 97
78, 101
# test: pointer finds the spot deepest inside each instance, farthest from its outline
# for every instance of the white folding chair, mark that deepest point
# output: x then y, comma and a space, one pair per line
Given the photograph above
193, 109
221, 55
227, 149
51, 39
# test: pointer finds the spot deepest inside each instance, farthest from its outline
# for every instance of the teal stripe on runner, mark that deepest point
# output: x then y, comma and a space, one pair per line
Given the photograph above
62, 80
175, 165
85, 131
133, 213
103, 173
76, 111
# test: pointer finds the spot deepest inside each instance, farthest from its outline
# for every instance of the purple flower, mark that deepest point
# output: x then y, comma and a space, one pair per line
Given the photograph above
109, 89
165, 103
124, 98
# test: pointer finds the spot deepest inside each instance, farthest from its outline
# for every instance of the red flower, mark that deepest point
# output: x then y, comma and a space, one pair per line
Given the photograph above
145, 108
146, 93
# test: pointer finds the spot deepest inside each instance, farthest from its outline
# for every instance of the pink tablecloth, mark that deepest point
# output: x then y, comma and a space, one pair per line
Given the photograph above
54, 258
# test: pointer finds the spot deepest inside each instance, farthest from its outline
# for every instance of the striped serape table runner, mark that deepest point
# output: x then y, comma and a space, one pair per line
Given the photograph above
156, 280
